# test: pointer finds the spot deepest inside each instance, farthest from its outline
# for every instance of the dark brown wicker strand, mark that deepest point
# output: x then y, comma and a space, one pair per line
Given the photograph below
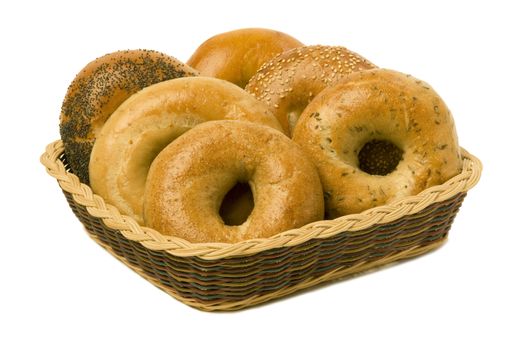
239, 278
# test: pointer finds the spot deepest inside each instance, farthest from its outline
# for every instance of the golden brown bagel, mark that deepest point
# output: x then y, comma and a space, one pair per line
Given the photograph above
289, 81
99, 89
149, 120
378, 137
189, 178
236, 56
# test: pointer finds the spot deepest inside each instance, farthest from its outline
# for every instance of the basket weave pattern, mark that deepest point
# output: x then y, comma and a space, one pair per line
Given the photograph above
221, 276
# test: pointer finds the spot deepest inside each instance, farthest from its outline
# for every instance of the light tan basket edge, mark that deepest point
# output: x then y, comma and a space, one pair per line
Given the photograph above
152, 239
362, 267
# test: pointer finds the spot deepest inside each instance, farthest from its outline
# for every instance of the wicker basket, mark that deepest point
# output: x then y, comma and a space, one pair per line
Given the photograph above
220, 276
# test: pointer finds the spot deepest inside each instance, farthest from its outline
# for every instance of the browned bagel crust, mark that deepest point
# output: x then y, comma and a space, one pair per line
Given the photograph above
289, 81
399, 117
152, 118
100, 88
236, 55
189, 178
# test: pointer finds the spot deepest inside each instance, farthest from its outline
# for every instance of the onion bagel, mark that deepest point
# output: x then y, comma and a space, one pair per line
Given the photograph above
377, 137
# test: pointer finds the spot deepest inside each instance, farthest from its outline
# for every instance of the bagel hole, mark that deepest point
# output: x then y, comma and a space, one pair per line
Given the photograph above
379, 157
237, 204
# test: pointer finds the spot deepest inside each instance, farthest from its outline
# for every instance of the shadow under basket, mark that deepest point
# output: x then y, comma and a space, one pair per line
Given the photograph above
220, 277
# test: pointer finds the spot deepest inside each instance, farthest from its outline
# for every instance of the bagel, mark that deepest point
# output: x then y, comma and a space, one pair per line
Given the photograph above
289, 81
189, 178
236, 55
378, 137
149, 120
99, 89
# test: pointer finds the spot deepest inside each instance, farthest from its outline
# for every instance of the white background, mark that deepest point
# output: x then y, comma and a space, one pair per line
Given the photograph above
62, 291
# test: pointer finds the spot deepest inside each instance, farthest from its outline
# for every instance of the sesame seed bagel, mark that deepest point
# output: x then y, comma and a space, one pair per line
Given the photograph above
152, 118
190, 177
289, 81
236, 55
99, 89
378, 137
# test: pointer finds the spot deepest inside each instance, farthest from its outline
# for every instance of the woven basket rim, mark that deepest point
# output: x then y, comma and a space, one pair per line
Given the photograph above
152, 239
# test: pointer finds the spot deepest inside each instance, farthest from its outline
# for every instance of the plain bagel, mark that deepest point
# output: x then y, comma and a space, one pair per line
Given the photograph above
189, 178
378, 137
236, 55
100, 88
152, 118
